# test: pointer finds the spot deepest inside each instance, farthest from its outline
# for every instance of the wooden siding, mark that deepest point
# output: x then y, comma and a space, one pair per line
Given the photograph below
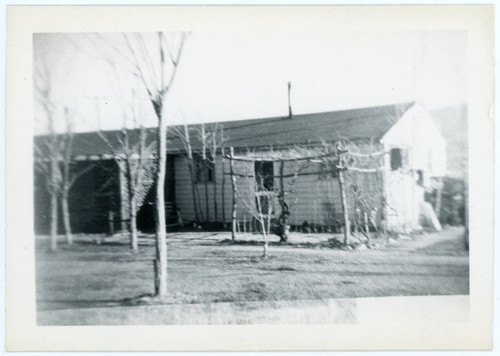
184, 196
313, 199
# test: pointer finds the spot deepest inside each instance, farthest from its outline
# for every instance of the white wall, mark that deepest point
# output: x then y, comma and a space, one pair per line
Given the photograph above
417, 133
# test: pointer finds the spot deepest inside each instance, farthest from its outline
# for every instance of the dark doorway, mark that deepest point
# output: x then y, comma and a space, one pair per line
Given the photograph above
93, 195
264, 178
146, 215
264, 175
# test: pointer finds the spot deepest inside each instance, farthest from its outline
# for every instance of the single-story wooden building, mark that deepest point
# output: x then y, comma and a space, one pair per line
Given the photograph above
410, 147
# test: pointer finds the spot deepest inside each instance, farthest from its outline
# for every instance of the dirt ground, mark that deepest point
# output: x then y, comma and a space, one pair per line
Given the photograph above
205, 268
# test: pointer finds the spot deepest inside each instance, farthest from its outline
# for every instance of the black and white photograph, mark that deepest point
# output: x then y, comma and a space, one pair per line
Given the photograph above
251, 176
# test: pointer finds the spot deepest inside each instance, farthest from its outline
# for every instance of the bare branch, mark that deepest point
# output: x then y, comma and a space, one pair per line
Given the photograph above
79, 174
138, 67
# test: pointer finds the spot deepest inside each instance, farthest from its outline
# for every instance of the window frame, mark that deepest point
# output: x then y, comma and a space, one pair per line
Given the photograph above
204, 169
403, 159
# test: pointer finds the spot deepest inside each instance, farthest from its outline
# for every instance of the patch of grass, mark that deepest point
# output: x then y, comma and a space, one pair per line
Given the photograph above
254, 291
150, 299
86, 275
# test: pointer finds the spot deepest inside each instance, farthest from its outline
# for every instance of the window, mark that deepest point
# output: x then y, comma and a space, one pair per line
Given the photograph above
205, 169
420, 177
398, 158
264, 175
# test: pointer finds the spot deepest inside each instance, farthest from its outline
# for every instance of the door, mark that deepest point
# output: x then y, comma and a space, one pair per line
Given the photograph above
264, 178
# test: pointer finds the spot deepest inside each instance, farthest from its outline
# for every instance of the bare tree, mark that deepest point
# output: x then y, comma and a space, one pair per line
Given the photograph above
43, 95
259, 202
200, 161
153, 60
58, 169
69, 174
135, 157
156, 67
296, 159
217, 142
359, 201
211, 139
183, 134
60, 174
256, 196
285, 192
204, 166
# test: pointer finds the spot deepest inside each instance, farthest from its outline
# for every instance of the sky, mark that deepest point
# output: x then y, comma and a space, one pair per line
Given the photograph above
226, 76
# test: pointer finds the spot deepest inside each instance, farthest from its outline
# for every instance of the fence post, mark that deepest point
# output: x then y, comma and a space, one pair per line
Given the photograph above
233, 184
157, 280
283, 219
385, 213
341, 168
223, 188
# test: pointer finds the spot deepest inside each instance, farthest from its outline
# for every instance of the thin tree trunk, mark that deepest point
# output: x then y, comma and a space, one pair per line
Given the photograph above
191, 173
53, 184
223, 184
269, 211
207, 203
264, 234
161, 228
53, 220
345, 210
347, 226
233, 184
283, 221
216, 213
262, 220
385, 217
124, 203
158, 92
205, 170
134, 241
193, 191
214, 176
132, 202
66, 218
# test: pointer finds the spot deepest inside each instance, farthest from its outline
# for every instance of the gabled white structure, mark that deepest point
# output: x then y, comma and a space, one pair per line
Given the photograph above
418, 152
